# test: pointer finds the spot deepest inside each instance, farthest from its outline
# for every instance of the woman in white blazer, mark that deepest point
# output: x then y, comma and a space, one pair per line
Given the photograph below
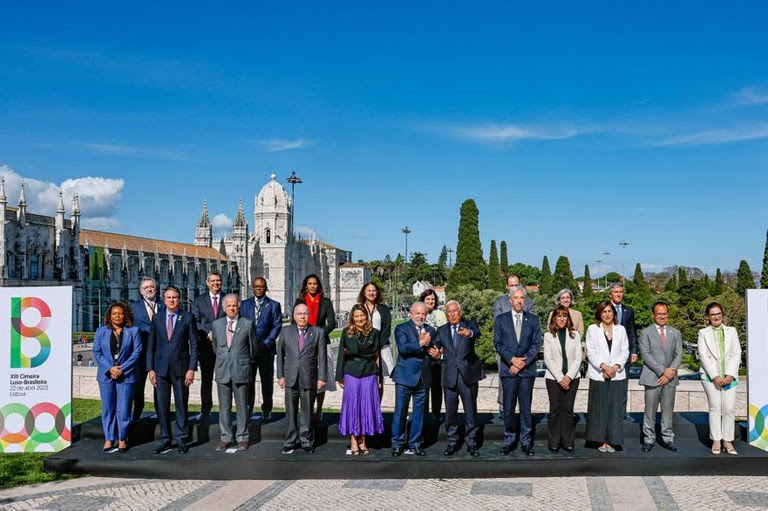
607, 353
562, 358
720, 356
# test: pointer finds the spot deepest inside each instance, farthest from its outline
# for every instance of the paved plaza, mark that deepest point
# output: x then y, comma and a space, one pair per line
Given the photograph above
597, 493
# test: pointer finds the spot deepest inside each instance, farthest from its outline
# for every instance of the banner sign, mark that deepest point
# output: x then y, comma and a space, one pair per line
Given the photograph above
757, 366
35, 368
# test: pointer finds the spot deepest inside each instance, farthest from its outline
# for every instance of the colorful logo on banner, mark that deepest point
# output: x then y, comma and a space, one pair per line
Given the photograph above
20, 331
30, 438
758, 435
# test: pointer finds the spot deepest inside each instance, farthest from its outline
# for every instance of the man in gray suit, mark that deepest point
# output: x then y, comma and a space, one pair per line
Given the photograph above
661, 347
235, 345
301, 370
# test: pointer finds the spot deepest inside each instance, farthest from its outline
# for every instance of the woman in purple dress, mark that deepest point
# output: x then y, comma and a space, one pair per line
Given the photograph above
357, 371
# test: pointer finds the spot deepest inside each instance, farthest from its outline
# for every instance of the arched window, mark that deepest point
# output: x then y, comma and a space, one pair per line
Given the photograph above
269, 236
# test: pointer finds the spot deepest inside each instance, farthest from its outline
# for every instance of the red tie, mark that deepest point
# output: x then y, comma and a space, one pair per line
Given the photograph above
230, 332
663, 338
169, 330
215, 306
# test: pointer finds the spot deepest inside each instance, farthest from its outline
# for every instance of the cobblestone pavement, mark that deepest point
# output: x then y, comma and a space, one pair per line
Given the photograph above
598, 493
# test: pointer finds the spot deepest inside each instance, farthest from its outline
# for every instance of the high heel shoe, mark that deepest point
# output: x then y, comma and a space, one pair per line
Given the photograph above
716, 447
122, 448
729, 448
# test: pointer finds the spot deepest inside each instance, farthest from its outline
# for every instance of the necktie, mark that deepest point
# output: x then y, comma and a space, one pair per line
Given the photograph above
618, 313
518, 327
230, 332
663, 338
455, 337
302, 338
151, 310
215, 306
169, 329
257, 311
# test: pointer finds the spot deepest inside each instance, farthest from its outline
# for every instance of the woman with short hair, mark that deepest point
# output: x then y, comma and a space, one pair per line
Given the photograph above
435, 318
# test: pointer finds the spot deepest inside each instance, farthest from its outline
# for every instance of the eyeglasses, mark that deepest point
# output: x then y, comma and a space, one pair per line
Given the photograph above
716, 315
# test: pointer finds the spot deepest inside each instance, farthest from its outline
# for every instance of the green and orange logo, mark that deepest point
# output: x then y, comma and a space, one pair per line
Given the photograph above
21, 331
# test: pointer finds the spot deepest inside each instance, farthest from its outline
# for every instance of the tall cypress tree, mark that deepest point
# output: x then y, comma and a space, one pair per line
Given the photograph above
545, 281
764, 275
719, 283
563, 277
671, 284
639, 278
503, 260
494, 272
682, 277
744, 278
470, 267
587, 291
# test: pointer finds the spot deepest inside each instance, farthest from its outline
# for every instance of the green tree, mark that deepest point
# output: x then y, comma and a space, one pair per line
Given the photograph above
477, 305
419, 268
494, 272
470, 267
563, 276
719, 283
744, 279
613, 277
671, 284
545, 280
682, 277
639, 278
764, 275
503, 260
529, 275
441, 268
587, 291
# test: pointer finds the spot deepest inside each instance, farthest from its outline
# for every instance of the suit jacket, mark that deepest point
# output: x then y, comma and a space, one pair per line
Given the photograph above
553, 356
577, 318
202, 309
234, 363
508, 345
412, 359
130, 351
143, 323
709, 352
305, 366
502, 305
461, 360
386, 323
177, 355
656, 358
326, 317
628, 322
270, 321
598, 353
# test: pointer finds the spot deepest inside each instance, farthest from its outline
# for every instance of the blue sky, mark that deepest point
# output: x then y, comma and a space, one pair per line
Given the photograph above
572, 126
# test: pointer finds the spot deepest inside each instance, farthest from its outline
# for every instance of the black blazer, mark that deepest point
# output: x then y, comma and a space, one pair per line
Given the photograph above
326, 317
464, 360
628, 322
202, 309
386, 323
179, 354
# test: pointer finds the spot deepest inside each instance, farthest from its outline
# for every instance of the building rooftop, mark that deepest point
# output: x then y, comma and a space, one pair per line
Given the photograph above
148, 245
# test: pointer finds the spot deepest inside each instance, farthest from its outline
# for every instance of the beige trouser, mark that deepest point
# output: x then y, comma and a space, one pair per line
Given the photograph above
721, 411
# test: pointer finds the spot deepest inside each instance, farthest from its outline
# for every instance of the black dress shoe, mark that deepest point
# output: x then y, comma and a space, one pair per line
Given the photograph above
287, 450
505, 450
163, 448
397, 452
528, 451
568, 449
450, 450
473, 451
265, 416
671, 446
183, 449
554, 450
647, 447
309, 449
416, 452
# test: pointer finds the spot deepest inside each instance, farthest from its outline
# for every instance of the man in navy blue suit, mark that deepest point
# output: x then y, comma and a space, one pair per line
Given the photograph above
172, 361
462, 370
267, 315
625, 315
517, 337
144, 309
207, 308
412, 376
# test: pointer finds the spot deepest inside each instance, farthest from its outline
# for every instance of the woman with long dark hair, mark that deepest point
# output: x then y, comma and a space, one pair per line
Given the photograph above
381, 319
321, 314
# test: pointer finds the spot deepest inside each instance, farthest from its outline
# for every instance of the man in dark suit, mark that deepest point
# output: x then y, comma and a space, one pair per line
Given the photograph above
517, 337
234, 339
461, 372
172, 361
144, 309
412, 377
207, 308
301, 370
267, 316
625, 315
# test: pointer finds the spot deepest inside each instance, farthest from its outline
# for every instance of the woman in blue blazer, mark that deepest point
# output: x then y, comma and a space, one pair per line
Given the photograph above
116, 349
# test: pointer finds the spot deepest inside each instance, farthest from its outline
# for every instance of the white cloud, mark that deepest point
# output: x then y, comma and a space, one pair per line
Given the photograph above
222, 222
752, 96
306, 232
502, 133
99, 196
274, 145
719, 136
135, 151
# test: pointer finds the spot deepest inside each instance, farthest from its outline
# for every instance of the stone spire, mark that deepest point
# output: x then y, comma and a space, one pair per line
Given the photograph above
60, 208
204, 220
240, 217
204, 230
3, 200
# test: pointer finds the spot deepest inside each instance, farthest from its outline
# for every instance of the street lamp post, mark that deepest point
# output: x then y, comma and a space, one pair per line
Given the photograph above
623, 244
450, 257
293, 180
598, 270
406, 231
606, 254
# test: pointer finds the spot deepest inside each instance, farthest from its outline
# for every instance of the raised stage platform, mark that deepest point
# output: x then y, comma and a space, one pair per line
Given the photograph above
264, 461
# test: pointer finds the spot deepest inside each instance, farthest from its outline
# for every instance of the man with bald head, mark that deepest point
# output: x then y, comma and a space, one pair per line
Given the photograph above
412, 377
301, 370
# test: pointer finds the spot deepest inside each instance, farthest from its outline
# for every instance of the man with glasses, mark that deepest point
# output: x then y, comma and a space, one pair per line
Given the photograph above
144, 310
